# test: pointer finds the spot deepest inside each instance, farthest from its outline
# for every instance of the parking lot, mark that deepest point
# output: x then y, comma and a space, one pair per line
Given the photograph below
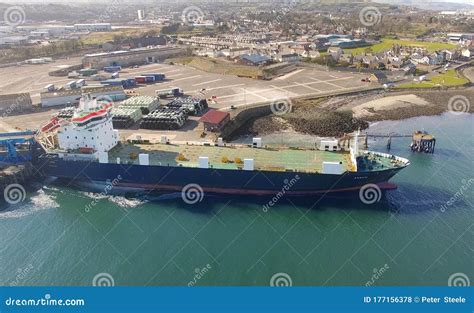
225, 89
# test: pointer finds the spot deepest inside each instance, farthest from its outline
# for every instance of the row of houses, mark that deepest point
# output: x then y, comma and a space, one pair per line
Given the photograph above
400, 58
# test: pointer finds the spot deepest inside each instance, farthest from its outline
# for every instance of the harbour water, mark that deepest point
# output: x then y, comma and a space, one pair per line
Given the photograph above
419, 234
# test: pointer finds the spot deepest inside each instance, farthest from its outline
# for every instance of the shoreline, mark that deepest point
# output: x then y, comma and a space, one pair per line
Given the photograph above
322, 117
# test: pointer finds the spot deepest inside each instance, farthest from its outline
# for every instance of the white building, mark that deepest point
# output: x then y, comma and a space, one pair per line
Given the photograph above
141, 15
97, 27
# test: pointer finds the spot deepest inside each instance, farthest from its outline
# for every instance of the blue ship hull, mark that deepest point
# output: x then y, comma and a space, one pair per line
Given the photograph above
221, 181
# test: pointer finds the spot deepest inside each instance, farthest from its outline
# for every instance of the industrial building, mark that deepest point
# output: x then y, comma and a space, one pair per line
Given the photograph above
96, 27
131, 57
69, 97
14, 103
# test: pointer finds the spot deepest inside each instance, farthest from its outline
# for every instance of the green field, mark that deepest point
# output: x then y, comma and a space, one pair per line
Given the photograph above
386, 44
450, 78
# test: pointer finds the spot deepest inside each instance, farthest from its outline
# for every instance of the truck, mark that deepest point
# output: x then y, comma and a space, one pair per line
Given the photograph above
173, 92
71, 85
115, 75
50, 87
157, 76
80, 83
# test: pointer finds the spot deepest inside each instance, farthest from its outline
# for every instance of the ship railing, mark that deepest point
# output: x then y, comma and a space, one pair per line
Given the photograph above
389, 156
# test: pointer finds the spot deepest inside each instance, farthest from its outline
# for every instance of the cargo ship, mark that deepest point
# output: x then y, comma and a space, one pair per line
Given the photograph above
86, 148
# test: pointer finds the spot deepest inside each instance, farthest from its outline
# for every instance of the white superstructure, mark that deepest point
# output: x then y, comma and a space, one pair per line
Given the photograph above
90, 128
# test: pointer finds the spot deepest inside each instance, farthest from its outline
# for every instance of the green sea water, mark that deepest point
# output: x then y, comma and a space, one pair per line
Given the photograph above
419, 234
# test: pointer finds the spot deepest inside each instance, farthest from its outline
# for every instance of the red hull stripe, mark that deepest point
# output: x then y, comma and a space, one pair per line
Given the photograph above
93, 114
255, 192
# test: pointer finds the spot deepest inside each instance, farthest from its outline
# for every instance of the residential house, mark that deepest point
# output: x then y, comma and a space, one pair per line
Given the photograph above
393, 63
373, 62
420, 59
311, 54
467, 53
346, 58
379, 77
436, 58
409, 68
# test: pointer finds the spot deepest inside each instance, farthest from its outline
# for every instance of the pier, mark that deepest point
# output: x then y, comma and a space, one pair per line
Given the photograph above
423, 142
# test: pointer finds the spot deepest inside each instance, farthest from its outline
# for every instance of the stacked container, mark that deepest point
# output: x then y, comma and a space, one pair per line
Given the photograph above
164, 119
125, 117
147, 104
190, 105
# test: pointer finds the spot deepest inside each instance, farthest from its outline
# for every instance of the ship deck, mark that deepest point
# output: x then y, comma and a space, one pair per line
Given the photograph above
231, 157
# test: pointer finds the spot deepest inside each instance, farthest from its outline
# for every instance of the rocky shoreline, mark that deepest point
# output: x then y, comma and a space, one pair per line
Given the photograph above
336, 116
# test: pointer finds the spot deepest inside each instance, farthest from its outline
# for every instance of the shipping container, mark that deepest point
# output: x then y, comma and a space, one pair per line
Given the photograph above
164, 119
88, 71
112, 69
157, 76
150, 79
140, 79
125, 117
171, 92
112, 82
145, 103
